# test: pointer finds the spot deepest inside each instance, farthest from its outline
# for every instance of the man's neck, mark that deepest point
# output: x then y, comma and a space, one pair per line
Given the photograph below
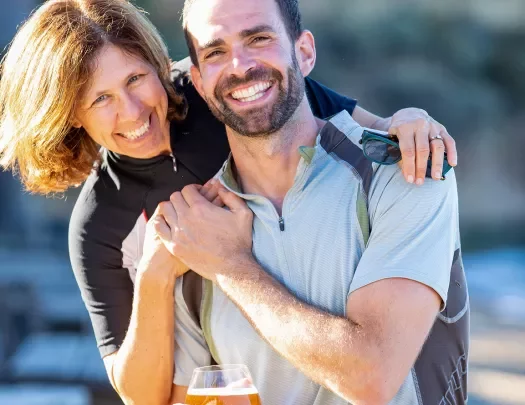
267, 166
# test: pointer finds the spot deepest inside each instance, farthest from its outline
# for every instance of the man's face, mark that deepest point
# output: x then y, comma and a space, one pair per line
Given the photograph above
247, 71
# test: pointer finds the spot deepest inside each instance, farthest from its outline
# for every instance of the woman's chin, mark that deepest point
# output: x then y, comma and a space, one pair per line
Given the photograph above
145, 147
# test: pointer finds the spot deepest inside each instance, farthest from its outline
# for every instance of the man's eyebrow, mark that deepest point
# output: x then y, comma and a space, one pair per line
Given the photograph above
256, 30
214, 43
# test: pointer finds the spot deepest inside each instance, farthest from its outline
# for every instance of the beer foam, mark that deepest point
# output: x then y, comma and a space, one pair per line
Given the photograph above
228, 391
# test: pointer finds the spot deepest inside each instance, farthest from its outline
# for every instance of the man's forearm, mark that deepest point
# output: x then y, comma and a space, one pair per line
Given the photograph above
332, 351
143, 367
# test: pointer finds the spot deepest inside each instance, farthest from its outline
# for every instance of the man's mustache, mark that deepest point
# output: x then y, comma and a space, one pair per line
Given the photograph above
259, 74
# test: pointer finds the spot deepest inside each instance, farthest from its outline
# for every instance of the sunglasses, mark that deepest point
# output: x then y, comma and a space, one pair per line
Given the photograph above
384, 150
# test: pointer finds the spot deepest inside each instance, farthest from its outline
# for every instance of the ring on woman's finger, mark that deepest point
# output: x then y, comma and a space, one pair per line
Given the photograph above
436, 137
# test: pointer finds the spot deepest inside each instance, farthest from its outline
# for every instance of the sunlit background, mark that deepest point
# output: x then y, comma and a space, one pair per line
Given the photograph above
461, 60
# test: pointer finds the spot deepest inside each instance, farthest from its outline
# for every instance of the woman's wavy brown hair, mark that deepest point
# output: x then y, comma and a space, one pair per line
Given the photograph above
43, 73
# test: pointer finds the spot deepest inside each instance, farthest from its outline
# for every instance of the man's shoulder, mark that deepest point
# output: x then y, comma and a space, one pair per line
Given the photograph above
391, 197
343, 122
340, 138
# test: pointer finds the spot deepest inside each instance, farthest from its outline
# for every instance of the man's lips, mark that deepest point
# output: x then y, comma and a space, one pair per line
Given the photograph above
252, 92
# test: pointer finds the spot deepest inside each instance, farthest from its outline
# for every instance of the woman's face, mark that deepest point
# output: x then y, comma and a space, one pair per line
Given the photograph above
124, 107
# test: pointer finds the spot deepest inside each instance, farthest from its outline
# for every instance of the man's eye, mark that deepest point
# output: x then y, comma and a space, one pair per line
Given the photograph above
212, 54
260, 39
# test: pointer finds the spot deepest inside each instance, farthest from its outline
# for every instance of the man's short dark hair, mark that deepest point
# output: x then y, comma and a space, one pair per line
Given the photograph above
289, 12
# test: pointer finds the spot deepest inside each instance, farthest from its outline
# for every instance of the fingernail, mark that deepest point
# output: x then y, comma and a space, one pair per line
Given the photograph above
410, 179
437, 175
213, 181
419, 182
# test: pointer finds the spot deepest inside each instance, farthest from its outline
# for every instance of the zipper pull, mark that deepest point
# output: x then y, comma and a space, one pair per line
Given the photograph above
281, 224
174, 160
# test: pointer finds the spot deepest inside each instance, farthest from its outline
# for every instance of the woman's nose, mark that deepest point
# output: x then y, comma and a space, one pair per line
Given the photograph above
131, 108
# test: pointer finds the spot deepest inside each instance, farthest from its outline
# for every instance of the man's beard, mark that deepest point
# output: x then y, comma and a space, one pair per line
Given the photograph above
260, 121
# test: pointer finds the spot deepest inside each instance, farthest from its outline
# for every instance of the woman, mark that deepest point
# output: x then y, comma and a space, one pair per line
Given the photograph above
81, 74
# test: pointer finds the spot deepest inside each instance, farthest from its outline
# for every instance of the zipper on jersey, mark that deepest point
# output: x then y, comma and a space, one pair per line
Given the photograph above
174, 160
287, 274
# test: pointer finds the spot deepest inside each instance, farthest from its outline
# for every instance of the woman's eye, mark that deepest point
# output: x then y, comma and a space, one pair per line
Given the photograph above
100, 99
134, 78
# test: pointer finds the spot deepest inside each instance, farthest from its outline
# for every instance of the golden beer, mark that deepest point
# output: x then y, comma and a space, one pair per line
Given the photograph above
223, 396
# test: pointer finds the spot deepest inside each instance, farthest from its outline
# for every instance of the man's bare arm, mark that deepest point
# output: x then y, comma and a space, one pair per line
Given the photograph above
347, 355
363, 358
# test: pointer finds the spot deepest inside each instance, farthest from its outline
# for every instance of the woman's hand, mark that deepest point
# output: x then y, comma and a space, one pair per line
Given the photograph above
155, 257
419, 134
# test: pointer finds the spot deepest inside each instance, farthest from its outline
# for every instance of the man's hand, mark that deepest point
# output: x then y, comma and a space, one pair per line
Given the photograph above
419, 134
210, 191
203, 236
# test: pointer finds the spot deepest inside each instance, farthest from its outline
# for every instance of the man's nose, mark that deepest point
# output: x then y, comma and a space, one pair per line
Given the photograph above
131, 108
242, 62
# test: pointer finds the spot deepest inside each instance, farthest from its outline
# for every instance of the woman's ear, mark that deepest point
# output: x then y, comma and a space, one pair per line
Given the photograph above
76, 123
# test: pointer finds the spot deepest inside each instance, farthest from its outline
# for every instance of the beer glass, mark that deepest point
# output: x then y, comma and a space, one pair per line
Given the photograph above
229, 384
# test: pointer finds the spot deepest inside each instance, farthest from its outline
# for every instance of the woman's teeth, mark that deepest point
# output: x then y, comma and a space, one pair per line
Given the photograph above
252, 93
137, 133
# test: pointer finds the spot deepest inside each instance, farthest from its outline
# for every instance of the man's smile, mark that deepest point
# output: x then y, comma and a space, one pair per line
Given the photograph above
248, 95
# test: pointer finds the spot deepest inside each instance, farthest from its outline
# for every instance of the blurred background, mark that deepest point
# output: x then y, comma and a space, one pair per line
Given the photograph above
461, 60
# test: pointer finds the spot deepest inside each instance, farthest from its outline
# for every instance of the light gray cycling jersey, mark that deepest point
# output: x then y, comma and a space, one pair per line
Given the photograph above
346, 223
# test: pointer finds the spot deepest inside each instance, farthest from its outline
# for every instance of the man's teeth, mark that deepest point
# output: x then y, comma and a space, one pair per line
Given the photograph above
138, 132
251, 93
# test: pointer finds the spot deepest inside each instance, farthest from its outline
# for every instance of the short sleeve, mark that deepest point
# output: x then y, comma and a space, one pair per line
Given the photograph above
96, 260
191, 350
325, 102
414, 231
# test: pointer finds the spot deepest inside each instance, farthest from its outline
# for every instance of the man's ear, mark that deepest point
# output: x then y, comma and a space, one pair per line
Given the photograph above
305, 52
197, 80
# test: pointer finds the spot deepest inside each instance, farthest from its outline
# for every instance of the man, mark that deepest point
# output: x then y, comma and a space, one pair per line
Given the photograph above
348, 294
124, 284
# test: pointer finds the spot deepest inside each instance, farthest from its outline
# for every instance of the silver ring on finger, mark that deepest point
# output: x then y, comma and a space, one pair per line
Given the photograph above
436, 137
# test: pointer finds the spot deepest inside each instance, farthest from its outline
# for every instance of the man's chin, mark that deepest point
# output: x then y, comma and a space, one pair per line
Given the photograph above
254, 128
255, 133
252, 125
